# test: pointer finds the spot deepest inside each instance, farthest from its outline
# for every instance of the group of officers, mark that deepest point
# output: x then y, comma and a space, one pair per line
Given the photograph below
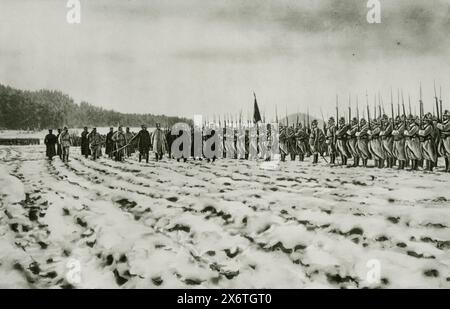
405, 141
118, 144
402, 142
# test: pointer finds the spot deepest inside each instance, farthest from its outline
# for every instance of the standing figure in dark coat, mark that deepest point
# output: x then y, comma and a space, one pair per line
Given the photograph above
50, 142
85, 151
58, 148
109, 143
144, 141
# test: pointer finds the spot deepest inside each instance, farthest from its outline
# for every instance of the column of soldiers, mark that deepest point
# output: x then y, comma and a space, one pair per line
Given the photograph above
405, 141
400, 142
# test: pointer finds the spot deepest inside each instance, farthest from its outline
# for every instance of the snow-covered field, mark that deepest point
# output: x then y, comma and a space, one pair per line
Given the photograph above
229, 224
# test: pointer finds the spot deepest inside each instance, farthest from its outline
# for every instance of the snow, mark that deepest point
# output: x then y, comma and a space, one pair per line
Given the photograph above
228, 224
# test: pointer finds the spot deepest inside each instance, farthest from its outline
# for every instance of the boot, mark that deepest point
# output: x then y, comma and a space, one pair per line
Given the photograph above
431, 165
316, 158
332, 159
140, 157
283, 158
381, 162
447, 165
364, 162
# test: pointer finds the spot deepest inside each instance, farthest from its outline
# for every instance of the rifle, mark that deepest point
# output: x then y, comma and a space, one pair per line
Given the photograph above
392, 109
307, 115
349, 110
368, 111
357, 112
409, 102
287, 119
420, 107
436, 101
404, 113
440, 102
323, 121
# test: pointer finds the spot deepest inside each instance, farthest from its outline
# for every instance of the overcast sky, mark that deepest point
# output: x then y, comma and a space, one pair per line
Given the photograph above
185, 57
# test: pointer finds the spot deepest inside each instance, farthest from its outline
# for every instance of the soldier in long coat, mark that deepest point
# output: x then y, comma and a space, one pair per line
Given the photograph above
58, 145
398, 150
85, 143
129, 136
363, 142
291, 142
66, 142
50, 142
427, 142
352, 142
331, 140
316, 140
444, 143
412, 143
95, 142
375, 145
387, 140
284, 151
159, 142
302, 140
120, 140
144, 141
341, 141
109, 146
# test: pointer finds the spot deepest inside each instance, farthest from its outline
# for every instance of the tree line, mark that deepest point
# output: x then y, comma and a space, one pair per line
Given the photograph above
43, 109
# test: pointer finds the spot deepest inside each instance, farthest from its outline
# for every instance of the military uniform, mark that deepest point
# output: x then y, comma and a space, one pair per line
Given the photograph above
444, 143
375, 145
352, 141
398, 150
316, 140
387, 140
362, 142
120, 140
331, 140
95, 140
301, 138
427, 142
412, 143
341, 141
65, 141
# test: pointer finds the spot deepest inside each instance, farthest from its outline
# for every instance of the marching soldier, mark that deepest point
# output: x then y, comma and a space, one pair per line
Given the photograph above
316, 140
283, 142
427, 142
387, 140
352, 142
291, 142
362, 143
341, 141
412, 143
399, 141
95, 140
65, 141
331, 140
375, 146
444, 144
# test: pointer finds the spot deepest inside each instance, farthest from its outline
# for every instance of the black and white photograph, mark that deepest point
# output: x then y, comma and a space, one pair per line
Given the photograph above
224, 145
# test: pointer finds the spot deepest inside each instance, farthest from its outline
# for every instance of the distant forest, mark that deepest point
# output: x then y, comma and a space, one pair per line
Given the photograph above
43, 109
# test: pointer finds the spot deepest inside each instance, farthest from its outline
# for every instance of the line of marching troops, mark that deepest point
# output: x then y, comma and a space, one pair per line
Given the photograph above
403, 141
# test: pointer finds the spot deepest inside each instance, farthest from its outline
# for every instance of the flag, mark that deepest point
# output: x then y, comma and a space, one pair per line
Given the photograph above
256, 113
